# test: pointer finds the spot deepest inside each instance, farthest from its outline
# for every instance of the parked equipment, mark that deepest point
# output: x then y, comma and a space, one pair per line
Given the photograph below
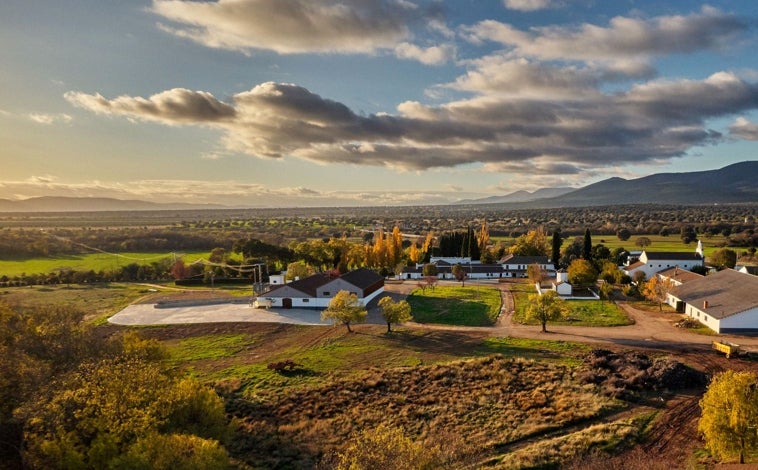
726, 347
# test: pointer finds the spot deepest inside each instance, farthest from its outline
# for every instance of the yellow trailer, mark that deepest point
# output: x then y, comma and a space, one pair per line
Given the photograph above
726, 347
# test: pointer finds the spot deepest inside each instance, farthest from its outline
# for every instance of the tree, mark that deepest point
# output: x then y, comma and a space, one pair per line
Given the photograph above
345, 308
557, 241
729, 415
483, 239
534, 243
535, 273
587, 245
623, 234
93, 416
298, 270
642, 242
395, 312
546, 307
606, 290
429, 269
459, 272
581, 273
723, 259
656, 290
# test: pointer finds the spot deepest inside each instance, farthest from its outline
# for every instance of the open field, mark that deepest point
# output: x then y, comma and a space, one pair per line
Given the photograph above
92, 261
519, 402
99, 301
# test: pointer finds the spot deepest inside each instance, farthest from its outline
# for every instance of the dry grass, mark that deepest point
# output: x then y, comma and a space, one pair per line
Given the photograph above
493, 401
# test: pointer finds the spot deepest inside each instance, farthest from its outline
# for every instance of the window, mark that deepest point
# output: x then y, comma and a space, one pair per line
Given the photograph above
306, 300
327, 293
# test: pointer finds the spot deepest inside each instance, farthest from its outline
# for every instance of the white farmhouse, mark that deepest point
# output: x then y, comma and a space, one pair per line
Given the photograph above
516, 266
318, 290
651, 262
726, 301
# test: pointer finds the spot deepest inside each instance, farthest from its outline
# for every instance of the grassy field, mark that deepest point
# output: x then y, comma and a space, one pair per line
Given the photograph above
469, 306
98, 301
93, 261
437, 385
581, 312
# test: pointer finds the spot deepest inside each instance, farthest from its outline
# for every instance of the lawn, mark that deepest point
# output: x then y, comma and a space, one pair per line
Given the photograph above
467, 306
581, 312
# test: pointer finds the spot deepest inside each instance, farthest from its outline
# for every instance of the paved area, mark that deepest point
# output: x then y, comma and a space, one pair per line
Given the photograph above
147, 314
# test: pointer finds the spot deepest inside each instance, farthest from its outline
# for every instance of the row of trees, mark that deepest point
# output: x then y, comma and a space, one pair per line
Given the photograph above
345, 308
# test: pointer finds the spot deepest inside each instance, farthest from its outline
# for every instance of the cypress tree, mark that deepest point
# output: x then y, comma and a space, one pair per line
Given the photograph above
587, 247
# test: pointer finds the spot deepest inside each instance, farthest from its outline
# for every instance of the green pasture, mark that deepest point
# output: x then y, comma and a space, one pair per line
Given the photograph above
580, 312
92, 261
468, 306
657, 243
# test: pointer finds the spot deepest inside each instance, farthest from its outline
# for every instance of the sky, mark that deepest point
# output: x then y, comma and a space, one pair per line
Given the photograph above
277, 103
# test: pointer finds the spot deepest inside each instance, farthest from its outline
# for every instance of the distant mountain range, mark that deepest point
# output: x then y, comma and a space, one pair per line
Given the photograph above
732, 184
737, 183
520, 196
92, 204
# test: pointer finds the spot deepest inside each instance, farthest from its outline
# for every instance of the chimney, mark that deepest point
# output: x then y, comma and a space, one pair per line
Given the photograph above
705, 304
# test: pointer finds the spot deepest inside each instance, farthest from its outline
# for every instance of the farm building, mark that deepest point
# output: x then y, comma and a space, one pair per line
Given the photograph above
474, 270
726, 301
316, 291
516, 266
651, 262
678, 276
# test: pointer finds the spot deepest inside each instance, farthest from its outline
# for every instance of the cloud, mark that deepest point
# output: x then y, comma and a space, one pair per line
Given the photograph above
291, 26
744, 129
176, 106
230, 193
48, 119
651, 121
623, 39
527, 5
433, 55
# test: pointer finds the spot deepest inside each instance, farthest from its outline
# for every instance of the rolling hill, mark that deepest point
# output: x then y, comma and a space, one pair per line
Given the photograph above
732, 184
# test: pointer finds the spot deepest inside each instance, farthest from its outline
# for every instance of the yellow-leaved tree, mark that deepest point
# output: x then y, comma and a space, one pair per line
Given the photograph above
345, 308
546, 307
729, 421
394, 312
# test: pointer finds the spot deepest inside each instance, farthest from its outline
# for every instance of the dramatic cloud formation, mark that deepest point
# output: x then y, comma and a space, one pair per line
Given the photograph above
540, 107
660, 119
291, 26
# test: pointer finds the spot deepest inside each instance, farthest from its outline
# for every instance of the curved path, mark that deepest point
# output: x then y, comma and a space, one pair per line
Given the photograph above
650, 329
